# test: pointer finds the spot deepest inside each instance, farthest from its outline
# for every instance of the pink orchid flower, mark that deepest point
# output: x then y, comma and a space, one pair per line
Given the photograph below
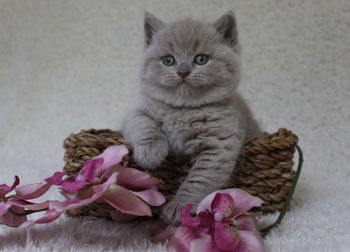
220, 224
129, 191
5, 189
7, 209
13, 209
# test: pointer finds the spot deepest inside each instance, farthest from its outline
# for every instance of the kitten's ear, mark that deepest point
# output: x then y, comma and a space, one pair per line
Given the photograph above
226, 27
152, 25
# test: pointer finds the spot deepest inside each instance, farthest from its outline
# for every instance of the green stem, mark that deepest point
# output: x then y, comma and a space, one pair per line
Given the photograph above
284, 210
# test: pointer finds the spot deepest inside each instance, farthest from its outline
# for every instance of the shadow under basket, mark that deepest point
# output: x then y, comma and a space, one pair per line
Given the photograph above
264, 167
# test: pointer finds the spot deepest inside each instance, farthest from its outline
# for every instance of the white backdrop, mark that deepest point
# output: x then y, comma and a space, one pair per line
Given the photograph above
71, 65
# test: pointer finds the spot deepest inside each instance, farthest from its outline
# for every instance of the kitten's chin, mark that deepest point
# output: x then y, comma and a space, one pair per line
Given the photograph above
185, 84
187, 95
192, 84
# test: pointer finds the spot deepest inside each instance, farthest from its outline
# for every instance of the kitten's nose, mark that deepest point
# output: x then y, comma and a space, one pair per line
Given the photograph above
183, 70
183, 74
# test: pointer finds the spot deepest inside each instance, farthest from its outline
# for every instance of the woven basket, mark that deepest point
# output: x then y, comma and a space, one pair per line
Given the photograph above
264, 166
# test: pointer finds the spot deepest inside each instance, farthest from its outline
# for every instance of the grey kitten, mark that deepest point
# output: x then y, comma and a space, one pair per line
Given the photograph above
188, 105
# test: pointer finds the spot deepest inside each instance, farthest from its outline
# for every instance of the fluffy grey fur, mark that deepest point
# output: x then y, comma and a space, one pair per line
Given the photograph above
190, 109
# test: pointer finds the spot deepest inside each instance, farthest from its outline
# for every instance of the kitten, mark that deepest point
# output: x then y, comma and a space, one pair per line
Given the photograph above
188, 105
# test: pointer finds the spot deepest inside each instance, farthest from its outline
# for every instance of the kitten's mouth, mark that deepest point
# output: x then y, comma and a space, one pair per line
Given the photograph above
183, 82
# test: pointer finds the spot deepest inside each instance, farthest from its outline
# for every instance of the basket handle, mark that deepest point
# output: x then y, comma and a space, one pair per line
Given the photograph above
284, 210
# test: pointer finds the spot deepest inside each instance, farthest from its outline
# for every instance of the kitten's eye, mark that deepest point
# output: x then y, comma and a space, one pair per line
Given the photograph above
201, 59
168, 60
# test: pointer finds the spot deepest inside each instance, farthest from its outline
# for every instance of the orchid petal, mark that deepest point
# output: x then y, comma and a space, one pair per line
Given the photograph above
108, 171
243, 201
250, 241
62, 206
70, 178
72, 186
94, 193
69, 195
4, 207
186, 218
247, 223
182, 238
29, 205
207, 220
226, 237
11, 220
4, 189
118, 216
55, 179
125, 201
91, 168
15, 183
222, 204
135, 179
32, 191
49, 216
151, 197
137, 167
112, 155
203, 244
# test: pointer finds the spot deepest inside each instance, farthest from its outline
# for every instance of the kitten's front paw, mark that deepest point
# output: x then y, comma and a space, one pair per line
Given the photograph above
171, 212
150, 156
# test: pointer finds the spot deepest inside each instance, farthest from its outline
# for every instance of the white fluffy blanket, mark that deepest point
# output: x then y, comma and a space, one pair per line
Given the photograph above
71, 65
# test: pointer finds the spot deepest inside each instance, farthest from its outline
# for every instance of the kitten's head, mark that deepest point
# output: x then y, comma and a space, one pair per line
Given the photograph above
190, 63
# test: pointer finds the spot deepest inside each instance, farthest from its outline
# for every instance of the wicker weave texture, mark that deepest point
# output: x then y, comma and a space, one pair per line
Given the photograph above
264, 166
